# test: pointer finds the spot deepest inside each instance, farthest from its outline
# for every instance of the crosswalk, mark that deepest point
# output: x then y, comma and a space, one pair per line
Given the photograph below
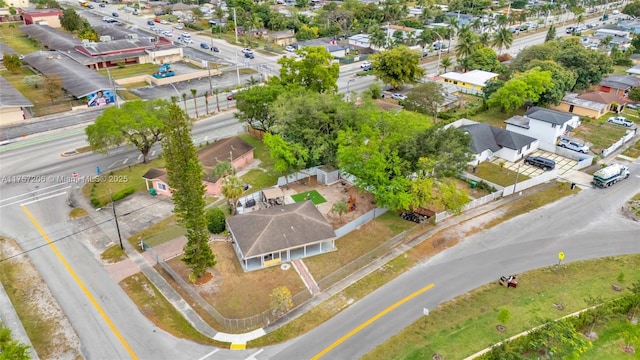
36, 195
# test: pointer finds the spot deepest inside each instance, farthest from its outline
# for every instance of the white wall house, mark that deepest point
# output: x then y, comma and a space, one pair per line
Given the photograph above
488, 141
546, 125
361, 40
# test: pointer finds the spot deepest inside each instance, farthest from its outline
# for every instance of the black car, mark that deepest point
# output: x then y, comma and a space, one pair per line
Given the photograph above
541, 162
215, 49
115, 14
249, 55
204, 46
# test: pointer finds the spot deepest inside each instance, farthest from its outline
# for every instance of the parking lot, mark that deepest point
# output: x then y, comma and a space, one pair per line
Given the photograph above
563, 164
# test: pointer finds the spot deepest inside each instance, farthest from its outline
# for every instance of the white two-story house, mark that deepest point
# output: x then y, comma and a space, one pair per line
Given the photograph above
546, 125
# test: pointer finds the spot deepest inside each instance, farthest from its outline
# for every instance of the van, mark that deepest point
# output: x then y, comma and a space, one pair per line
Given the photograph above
541, 162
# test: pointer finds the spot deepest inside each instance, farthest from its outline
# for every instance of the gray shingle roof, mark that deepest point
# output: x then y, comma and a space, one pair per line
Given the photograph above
485, 136
10, 96
278, 228
5, 49
78, 80
548, 115
50, 37
620, 81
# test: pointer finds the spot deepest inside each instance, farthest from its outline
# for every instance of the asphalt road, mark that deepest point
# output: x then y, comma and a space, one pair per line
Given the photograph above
478, 260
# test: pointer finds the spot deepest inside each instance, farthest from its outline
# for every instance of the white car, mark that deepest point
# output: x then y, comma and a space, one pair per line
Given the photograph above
620, 120
247, 51
290, 48
164, 22
366, 64
573, 145
179, 27
167, 33
398, 97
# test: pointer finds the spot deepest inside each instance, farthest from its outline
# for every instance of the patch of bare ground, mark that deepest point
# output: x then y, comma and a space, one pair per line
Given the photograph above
47, 326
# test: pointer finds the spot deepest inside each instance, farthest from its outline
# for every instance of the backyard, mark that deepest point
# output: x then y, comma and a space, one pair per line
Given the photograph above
599, 133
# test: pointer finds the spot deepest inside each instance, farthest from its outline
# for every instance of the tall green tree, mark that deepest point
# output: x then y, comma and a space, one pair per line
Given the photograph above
315, 71
563, 80
185, 179
288, 157
528, 86
232, 190
195, 104
254, 105
589, 65
427, 97
482, 58
70, 20
551, 34
312, 121
397, 66
12, 62
138, 123
53, 87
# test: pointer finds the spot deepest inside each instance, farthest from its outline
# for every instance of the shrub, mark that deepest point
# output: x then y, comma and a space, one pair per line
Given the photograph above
216, 220
95, 202
123, 193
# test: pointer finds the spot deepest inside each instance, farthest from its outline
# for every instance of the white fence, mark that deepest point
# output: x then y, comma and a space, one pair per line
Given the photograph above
473, 204
547, 176
359, 221
619, 143
300, 175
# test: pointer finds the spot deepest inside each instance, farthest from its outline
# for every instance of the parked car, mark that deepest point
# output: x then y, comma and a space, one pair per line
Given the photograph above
573, 145
620, 120
114, 14
290, 48
633, 106
90, 6
179, 27
249, 55
205, 46
365, 64
398, 97
153, 28
541, 162
230, 97
367, 68
149, 22
156, 20
215, 49
164, 22
102, 5
247, 51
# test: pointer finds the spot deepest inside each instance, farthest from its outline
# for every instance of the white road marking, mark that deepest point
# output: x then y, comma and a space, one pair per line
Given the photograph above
209, 354
44, 198
253, 356
115, 163
34, 191
139, 157
153, 153
125, 161
51, 168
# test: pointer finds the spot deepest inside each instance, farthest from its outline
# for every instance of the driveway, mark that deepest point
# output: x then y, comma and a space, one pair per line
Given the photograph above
563, 164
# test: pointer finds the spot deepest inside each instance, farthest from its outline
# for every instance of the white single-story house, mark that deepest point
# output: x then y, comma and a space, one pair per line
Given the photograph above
469, 82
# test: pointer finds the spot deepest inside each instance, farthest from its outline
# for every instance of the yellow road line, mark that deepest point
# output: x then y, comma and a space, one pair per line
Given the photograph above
370, 321
81, 284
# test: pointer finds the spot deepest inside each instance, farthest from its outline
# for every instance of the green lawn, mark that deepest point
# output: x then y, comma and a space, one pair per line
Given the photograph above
130, 70
465, 325
17, 40
42, 104
495, 117
599, 133
313, 195
633, 151
498, 174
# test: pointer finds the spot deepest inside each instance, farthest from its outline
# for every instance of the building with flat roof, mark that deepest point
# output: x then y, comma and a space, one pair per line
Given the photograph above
470, 82
49, 17
12, 104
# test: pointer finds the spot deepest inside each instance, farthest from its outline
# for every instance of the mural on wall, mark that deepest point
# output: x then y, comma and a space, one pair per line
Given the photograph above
100, 98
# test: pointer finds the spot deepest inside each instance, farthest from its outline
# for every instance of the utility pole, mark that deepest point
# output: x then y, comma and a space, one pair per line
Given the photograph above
113, 88
238, 68
210, 84
115, 217
235, 24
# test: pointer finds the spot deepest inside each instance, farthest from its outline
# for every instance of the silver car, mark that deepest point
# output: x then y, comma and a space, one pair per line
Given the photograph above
573, 145
620, 120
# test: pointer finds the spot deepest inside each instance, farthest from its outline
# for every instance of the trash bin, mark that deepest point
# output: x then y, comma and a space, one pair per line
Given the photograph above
474, 184
153, 192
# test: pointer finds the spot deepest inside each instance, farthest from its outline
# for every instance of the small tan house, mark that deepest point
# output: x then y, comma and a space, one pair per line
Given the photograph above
593, 104
49, 17
234, 150
282, 38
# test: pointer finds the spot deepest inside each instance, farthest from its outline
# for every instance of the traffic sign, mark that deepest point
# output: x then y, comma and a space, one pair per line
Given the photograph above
561, 255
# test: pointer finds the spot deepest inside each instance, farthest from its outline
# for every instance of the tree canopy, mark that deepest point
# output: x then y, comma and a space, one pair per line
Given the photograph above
254, 105
397, 66
527, 86
426, 97
10, 348
315, 71
138, 123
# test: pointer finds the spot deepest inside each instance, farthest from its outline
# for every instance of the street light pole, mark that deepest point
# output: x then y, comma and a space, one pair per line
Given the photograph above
348, 89
113, 88
235, 24
115, 217
237, 68
439, 52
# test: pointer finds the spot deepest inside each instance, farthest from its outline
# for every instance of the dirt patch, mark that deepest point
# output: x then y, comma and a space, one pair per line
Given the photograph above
339, 191
47, 326
631, 210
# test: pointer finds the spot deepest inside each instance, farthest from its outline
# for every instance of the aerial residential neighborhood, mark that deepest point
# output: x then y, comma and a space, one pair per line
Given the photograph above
319, 179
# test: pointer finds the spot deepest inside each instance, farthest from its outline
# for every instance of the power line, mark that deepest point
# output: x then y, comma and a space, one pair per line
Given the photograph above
74, 233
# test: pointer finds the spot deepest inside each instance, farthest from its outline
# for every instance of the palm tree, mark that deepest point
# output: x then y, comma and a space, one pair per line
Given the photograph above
206, 101
184, 100
580, 19
174, 99
502, 21
377, 37
485, 39
453, 28
467, 42
476, 24
426, 38
195, 103
255, 23
446, 63
217, 92
502, 39
251, 81
232, 190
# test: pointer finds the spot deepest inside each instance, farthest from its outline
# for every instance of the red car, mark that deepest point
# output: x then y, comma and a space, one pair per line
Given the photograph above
156, 20
230, 97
